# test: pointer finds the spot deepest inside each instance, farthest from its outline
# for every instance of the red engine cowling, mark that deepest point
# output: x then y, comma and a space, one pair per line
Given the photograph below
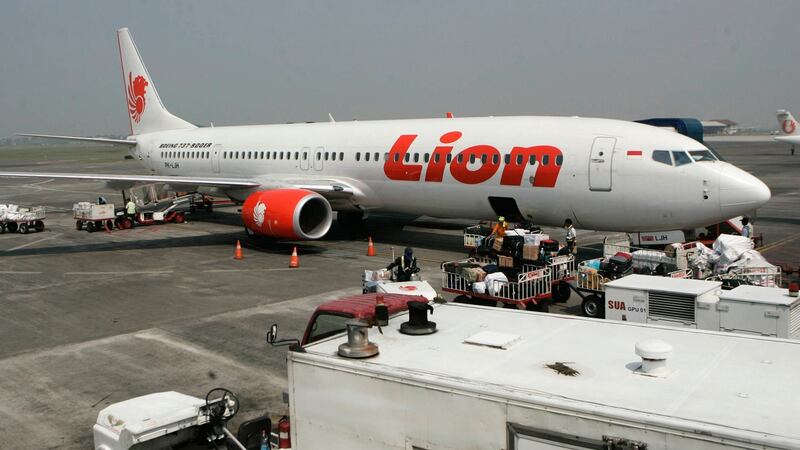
287, 214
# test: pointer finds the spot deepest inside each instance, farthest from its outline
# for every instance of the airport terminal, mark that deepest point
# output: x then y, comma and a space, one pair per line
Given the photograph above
451, 281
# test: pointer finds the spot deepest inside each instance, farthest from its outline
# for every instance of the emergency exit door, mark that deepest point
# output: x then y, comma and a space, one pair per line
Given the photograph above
600, 162
215, 157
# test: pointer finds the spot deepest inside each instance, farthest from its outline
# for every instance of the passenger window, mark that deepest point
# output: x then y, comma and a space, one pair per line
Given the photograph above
326, 156
366, 156
408, 157
545, 160
532, 160
507, 159
449, 158
484, 158
305, 156
662, 156
496, 159
396, 157
681, 158
559, 160
426, 158
333, 156
436, 157
377, 156
416, 157
358, 156
341, 156
472, 159
296, 155
519, 160
319, 156
386, 156
460, 158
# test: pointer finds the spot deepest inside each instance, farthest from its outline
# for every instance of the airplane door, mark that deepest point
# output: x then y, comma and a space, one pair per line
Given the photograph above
600, 164
305, 155
215, 157
318, 158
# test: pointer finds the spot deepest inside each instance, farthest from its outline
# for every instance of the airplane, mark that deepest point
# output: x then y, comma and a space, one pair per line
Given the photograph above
788, 128
603, 174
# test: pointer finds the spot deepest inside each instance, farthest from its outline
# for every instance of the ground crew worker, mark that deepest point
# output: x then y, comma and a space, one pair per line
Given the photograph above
747, 228
130, 210
101, 200
499, 230
405, 265
570, 237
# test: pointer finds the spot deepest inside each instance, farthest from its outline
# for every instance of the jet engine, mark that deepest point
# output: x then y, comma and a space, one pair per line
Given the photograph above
287, 214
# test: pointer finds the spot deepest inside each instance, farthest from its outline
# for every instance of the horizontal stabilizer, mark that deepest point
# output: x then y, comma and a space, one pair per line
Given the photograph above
82, 139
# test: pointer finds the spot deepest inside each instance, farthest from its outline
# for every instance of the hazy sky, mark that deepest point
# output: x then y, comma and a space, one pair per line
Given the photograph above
268, 62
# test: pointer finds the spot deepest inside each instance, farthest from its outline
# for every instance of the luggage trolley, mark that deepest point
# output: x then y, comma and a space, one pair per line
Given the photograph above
562, 272
22, 219
530, 290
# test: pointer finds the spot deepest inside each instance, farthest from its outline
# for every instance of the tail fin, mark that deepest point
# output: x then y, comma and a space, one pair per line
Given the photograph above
145, 110
786, 121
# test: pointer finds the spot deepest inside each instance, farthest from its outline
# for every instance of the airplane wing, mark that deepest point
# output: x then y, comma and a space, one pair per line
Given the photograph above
209, 181
129, 143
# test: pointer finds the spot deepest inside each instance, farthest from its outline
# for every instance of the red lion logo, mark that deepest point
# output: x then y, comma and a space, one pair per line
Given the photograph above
789, 126
136, 91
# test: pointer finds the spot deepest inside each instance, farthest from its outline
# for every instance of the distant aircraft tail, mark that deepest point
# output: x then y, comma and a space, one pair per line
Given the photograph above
786, 122
145, 110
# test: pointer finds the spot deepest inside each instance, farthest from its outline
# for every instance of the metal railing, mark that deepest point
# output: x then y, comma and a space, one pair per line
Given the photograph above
528, 285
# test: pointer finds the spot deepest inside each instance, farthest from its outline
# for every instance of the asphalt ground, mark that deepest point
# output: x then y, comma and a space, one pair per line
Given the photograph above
87, 320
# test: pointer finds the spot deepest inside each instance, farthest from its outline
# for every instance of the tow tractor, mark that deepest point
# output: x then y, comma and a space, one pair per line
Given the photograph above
178, 421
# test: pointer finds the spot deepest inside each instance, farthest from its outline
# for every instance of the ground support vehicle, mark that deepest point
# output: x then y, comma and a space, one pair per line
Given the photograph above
171, 420
529, 290
704, 305
523, 380
379, 281
95, 217
22, 219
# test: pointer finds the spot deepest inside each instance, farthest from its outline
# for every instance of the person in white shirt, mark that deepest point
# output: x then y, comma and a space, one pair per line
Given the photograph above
747, 228
570, 236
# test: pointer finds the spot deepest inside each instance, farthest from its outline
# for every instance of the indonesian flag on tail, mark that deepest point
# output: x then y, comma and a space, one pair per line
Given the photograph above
634, 154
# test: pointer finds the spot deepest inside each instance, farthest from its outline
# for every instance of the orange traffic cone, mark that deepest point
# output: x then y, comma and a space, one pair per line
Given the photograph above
370, 248
238, 253
294, 261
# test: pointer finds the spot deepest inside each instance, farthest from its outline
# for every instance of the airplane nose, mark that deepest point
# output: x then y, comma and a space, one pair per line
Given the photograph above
740, 192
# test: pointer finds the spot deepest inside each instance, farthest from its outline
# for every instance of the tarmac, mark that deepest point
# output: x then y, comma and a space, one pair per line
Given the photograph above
93, 319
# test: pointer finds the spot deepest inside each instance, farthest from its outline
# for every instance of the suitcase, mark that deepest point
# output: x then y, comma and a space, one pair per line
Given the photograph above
505, 261
498, 244
491, 268
620, 262
530, 252
548, 246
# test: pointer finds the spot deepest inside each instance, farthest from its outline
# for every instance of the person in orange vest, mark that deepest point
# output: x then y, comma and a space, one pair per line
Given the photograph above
500, 228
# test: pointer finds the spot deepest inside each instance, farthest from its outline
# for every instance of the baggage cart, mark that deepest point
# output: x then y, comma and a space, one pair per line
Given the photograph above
94, 217
22, 219
562, 271
530, 290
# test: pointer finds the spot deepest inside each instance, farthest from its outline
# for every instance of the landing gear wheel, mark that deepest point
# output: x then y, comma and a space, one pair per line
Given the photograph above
90, 227
561, 292
180, 218
79, 225
221, 404
11, 227
2, 228
23, 228
39, 225
592, 306
127, 224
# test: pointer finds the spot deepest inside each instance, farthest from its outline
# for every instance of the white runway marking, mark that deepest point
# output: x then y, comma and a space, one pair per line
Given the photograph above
256, 270
32, 243
11, 272
144, 272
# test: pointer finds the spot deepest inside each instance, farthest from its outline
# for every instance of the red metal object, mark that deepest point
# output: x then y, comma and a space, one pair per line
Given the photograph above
284, 430
361, 307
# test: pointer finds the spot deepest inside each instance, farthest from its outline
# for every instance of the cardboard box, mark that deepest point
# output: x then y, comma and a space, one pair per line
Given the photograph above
498, 244
505, 261
530, 252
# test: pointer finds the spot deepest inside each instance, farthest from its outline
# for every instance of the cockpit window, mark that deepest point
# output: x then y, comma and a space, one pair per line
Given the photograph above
681, 158
702, 155
662, 156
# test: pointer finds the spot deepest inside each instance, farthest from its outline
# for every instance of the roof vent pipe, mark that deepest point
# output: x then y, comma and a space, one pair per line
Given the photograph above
358, 344
654, 354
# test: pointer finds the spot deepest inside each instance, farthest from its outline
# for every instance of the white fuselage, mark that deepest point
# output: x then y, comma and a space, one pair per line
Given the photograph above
606, 179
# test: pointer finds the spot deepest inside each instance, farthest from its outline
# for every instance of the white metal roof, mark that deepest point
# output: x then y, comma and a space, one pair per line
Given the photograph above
665, 284
720, 383
760, 294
